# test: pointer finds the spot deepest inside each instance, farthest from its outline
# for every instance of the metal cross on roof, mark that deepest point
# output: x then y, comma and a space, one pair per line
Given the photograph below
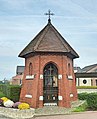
49, 15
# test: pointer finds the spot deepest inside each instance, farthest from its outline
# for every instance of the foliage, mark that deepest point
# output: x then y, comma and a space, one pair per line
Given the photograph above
81, 108
3, 88
91, 99
10, 91
1, 94
14, 92
83, 96
24, 106
86, 87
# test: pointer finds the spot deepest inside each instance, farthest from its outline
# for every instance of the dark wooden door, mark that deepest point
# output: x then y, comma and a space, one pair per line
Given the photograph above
50, 84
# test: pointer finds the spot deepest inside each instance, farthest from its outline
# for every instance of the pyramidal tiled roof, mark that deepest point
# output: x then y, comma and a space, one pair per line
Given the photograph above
48, 40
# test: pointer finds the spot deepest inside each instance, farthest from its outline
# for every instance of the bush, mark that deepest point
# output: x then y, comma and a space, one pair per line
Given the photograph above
14, 92
10, 91
91, 99
3, 88
86, 87
83, 96
2, 94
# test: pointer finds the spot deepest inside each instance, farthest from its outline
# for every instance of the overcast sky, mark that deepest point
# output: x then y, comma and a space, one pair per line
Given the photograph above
21, 20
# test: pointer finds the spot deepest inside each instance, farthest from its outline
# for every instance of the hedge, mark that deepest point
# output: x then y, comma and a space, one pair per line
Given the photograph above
83, 96
3, 88
14, 92
91, 99
11, 91
2, 94
86, 87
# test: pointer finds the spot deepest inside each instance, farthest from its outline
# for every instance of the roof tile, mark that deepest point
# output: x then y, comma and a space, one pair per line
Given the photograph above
48, 40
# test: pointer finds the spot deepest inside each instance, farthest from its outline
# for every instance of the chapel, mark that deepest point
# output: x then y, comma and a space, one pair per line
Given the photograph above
48, 75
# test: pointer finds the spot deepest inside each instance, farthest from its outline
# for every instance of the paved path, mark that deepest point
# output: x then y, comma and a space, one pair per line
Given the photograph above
3, 117
84, 115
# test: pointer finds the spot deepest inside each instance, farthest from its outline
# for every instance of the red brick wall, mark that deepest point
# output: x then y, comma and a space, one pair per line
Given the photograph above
72, 83
35, 87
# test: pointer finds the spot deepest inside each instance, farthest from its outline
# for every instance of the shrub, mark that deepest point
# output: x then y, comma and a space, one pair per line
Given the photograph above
24, 106
11, 91
86, 87
14, 92
92, 101
83, 96
2, 94
3, 88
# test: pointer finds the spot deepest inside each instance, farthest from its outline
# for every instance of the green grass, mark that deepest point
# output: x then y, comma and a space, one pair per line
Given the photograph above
81, 108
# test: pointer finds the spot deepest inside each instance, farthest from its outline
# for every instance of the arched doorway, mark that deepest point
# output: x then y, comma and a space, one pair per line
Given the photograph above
50, 87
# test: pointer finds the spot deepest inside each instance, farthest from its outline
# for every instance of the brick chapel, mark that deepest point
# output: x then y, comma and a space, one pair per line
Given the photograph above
48, 76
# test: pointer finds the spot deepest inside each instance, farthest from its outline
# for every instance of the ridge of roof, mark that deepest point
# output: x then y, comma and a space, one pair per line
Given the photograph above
32, 42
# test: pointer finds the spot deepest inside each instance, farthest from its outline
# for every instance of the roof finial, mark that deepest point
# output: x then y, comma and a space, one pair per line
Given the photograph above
49, 15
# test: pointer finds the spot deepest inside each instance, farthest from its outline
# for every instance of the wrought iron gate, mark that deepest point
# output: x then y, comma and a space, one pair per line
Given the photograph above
50, 84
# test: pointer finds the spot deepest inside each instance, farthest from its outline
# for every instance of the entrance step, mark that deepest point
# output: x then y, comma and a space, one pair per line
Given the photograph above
50, 104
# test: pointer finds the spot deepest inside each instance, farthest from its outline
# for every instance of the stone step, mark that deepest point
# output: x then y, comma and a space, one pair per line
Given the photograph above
50, 104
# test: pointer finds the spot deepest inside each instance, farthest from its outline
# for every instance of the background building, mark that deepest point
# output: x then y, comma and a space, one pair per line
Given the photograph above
17, 80
86, 76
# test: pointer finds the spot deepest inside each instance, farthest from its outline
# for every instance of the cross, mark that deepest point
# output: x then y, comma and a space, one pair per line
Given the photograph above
49, 14
50, 69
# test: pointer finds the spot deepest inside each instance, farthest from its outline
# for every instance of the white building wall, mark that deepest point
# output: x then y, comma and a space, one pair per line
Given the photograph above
77, 81
80, 81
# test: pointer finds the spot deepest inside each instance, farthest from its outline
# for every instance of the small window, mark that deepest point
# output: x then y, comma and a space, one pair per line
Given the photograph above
20, 81
30, 69
69, 71
84, 81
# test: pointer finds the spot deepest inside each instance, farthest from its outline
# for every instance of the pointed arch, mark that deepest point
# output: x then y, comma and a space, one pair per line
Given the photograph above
51, 62
50, 83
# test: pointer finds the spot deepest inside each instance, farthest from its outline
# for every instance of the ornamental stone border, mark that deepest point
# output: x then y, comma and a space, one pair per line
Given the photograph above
46, 110
16, 113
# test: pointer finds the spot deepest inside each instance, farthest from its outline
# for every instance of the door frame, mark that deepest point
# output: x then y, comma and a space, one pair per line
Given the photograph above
50, 91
